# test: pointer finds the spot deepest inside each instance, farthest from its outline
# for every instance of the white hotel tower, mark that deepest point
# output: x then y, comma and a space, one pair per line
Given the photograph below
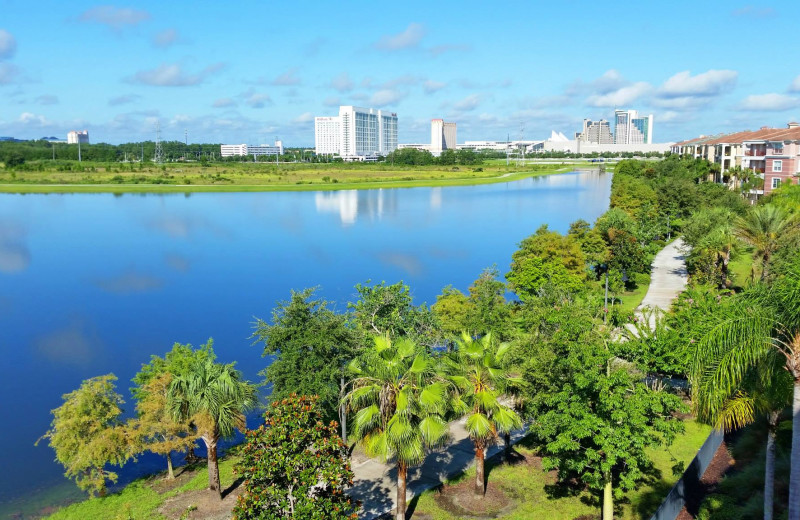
356, 133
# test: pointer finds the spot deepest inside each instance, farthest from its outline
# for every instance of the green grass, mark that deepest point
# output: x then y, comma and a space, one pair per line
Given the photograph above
528, 485
739, 268
139, 500
244, 177
631, 299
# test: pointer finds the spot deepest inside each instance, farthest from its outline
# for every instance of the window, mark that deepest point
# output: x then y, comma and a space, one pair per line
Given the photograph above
776, 182
777, 166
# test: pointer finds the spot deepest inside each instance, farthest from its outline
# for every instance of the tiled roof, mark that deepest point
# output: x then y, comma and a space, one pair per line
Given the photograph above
763, 134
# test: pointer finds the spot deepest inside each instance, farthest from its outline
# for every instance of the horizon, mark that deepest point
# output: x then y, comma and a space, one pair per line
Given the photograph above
114, 70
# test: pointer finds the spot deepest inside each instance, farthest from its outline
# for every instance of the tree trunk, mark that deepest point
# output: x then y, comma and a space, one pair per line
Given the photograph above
769, 468
794, 475
479, 470
342, 410
170, 473
401, 492
608, 499
507, 446
213, 466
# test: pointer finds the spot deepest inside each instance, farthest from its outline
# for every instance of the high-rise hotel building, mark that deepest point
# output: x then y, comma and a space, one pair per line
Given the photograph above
443, 136
630, 128
356, 133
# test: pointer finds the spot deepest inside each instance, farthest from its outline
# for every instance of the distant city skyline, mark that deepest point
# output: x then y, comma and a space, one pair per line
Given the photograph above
249, 74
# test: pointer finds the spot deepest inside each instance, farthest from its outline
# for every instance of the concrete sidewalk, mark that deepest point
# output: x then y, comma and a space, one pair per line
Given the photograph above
374, 483
667, 280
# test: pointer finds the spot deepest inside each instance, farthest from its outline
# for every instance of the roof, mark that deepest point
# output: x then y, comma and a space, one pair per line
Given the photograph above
762, 134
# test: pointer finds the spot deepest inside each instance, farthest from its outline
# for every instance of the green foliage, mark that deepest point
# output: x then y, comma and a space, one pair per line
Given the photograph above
177, 362
653, 346
453, 310
546, 258
489, 310
294, 466
311, 345
87, 434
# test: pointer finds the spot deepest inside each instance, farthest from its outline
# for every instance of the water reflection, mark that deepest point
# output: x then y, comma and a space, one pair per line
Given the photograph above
352, 204
436, 198
130, 281
77, 343
14, 254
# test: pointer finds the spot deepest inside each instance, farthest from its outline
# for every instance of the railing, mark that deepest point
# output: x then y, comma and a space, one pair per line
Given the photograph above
676, 500
755, 153
775, 151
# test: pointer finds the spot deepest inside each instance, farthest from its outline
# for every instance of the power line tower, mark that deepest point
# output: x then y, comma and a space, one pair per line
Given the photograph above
159, 155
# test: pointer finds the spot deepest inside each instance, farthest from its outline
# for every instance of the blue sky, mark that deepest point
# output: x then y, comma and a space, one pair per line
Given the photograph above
245, 72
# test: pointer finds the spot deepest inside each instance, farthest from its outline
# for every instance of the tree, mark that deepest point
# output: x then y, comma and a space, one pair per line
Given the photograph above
453, 310
387, 309
600, 421
480, 375
400, 403
215, 398
294, 466
87, 434
762, 228
765, 322
155, 429
311, 346
546, 257
489, 310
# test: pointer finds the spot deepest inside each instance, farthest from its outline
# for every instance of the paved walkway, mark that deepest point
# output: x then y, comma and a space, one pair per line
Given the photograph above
374, 483
667, 280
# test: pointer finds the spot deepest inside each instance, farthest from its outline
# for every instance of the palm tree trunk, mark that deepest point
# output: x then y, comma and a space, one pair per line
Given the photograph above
480, 464
213, 466
794, 475
170, 473
769, 467
608, 499
401, 491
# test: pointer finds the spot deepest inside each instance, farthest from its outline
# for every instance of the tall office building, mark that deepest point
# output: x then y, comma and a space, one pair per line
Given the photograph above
630, 128
356, 133
443, 136
78, 136
597, 132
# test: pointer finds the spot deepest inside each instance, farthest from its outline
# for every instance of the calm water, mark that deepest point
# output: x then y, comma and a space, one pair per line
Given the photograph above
95, 283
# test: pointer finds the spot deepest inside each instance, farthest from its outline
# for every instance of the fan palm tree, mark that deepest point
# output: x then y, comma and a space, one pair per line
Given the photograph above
399, 402
215, 398
761, 228
764, 326
482, 381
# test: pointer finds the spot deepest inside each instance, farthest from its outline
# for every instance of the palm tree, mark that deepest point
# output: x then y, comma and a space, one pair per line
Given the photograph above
476, 368
400, 402
215, 398
762, 228
765, 391
763, 326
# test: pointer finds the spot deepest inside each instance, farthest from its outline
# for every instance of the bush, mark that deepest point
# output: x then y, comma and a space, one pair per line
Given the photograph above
718, 507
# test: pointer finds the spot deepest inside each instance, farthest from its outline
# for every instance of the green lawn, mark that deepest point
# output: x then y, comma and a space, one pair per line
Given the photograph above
631, 299
739, 268
139, 500
529, 486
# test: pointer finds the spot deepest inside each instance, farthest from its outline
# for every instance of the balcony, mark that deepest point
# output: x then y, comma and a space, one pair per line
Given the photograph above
775, 151
757, 152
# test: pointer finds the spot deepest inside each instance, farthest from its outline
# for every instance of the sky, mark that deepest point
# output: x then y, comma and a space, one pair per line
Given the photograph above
251, 71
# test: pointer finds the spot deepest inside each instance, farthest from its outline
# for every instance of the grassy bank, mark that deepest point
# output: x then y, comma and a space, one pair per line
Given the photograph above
250, 177
533, 493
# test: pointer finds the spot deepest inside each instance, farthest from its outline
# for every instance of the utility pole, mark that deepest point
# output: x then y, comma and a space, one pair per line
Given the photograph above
159, 153
79, 148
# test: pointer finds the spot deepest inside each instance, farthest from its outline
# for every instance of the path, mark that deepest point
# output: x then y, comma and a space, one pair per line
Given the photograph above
374, 483
667, 280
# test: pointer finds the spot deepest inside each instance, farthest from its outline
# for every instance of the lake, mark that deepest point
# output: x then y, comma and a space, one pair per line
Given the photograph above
95, 283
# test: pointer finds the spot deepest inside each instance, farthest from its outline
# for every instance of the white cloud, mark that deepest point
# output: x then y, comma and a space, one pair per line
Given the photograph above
8, 45
172, 75
404, 40
306, 117
256, 99
114, 17
610, 81
386, 97
29, 119
123, 100
408, 79
165, 38
332, 101
47, 99
795, 86
342, 83
769, 102
223, 103
430, 86
710, 83
470, 102
288, 78
620, 97
9, 73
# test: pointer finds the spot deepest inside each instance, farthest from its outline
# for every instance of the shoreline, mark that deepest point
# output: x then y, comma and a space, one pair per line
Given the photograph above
24, 188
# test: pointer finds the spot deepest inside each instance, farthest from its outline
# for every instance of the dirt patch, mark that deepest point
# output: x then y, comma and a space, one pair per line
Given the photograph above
161, 484
200, 504
720, 465
460, 500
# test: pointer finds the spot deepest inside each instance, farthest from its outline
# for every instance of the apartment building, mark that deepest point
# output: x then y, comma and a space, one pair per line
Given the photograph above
78, 136
356, 133
772, 152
